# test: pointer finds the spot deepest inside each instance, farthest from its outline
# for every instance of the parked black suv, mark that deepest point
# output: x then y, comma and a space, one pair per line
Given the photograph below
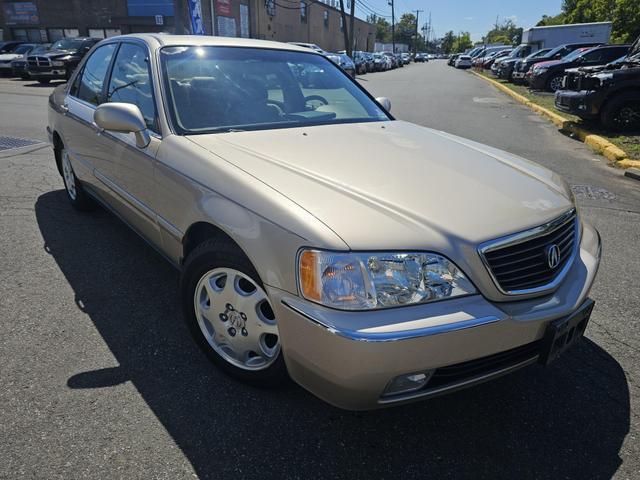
609, 93
561, 51
548, 75
504, 68
61, 60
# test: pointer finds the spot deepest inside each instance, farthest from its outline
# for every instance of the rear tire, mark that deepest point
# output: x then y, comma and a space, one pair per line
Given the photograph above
228, 319
622, 112
75, 192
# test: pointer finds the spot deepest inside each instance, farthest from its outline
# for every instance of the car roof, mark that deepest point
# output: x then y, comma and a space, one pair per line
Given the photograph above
158, 40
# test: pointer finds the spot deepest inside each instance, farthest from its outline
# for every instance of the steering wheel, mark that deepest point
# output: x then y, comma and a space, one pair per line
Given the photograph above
278, 105
317, 99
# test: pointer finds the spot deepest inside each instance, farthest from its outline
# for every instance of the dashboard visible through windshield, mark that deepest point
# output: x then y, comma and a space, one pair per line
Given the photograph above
221, 89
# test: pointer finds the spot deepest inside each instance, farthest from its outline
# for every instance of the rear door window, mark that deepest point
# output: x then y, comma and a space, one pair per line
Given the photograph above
90, 83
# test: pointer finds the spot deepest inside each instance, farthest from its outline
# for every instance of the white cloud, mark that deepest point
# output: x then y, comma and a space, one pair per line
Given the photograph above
513, 18
468, 18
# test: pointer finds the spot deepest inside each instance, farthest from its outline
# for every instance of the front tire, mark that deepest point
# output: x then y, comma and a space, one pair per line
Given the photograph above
555, 83
622, 112
229, 314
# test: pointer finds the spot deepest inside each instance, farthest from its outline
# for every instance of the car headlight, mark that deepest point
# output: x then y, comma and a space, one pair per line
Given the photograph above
538, 70
371, 280
57, 64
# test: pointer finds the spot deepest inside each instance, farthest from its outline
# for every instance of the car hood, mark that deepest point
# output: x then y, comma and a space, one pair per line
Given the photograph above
548, 63
395, 184
9, 56
57, 53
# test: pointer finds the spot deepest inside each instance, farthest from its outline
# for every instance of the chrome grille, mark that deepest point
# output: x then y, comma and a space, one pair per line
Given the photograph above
519, 263
38, 61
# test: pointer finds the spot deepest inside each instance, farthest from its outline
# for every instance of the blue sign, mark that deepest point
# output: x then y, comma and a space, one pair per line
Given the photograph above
195, 12
150, 8
20, 13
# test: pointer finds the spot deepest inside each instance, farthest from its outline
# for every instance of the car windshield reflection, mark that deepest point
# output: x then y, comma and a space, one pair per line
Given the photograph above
224, 89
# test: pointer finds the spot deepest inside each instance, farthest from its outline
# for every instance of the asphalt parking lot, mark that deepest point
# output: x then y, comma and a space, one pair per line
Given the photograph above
100, 378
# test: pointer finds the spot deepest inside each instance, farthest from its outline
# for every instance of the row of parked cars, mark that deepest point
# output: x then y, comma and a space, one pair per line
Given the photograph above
43, 61
366, 62
594, 81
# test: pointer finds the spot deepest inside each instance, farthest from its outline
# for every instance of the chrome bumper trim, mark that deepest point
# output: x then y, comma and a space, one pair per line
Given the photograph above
397, 335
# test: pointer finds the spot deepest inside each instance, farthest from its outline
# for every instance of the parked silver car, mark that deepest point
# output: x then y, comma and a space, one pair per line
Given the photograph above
374, 261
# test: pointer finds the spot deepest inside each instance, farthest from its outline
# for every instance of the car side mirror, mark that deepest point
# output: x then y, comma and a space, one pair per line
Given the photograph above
384, 102
123, 118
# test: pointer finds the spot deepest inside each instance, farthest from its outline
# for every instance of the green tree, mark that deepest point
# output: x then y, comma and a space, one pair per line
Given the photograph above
447, 41
626, 21
548, 20
462, 42
383, 28
406, 28
624, 14
506, 33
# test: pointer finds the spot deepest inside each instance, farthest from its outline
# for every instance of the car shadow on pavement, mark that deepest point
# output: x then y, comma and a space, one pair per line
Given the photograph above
567, 421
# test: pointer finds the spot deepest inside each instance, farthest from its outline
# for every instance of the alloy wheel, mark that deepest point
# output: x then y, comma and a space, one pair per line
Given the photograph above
68, 175
629, 116
236, 319
555, 83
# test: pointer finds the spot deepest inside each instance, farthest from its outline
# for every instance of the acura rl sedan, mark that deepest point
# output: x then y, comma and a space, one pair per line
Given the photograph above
373, 261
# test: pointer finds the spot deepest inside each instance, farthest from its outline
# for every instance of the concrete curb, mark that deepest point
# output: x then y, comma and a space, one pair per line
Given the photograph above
601, 145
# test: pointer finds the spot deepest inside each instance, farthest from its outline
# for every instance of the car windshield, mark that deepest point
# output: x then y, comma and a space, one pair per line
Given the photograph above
575, 54
67, 44
539, 54
23, 49
221, 89
40, 49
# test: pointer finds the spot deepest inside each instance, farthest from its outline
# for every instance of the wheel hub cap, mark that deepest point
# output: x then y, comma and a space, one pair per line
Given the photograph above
67, 175
236, 319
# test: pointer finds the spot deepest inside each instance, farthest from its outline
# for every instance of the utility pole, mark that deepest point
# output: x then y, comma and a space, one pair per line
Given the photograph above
415, 46
393, 26
428, 32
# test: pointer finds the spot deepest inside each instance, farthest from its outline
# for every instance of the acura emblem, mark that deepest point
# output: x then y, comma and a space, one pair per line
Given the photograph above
553, 256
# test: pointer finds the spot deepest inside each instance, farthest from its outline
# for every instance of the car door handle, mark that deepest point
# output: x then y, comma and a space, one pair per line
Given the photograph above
64, 109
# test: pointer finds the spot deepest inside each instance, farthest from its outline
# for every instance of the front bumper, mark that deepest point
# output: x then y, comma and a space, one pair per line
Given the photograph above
505, 72
585, 103
348, 358
538, 82
47, 72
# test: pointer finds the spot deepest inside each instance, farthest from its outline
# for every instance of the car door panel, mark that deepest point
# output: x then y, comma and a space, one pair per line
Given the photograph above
131, 175
87, 154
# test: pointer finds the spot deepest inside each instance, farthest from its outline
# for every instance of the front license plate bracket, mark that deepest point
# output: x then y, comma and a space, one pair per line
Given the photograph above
562, 333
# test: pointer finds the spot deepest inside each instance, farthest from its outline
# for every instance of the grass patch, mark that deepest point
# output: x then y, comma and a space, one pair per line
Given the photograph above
629, 143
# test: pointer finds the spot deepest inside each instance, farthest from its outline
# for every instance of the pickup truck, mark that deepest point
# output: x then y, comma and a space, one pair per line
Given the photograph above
609, 93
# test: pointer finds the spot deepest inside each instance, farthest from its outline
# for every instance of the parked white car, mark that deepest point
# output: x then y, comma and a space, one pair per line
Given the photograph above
463, 61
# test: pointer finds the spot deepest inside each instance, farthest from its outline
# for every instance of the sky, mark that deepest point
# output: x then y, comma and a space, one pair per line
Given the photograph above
476, 17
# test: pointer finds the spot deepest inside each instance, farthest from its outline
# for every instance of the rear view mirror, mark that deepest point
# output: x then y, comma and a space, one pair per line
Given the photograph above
123, 118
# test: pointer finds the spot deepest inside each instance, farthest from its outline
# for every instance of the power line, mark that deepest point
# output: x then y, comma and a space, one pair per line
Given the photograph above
371, 9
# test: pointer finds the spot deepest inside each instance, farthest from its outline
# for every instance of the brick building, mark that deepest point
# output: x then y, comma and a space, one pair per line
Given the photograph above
281, 20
